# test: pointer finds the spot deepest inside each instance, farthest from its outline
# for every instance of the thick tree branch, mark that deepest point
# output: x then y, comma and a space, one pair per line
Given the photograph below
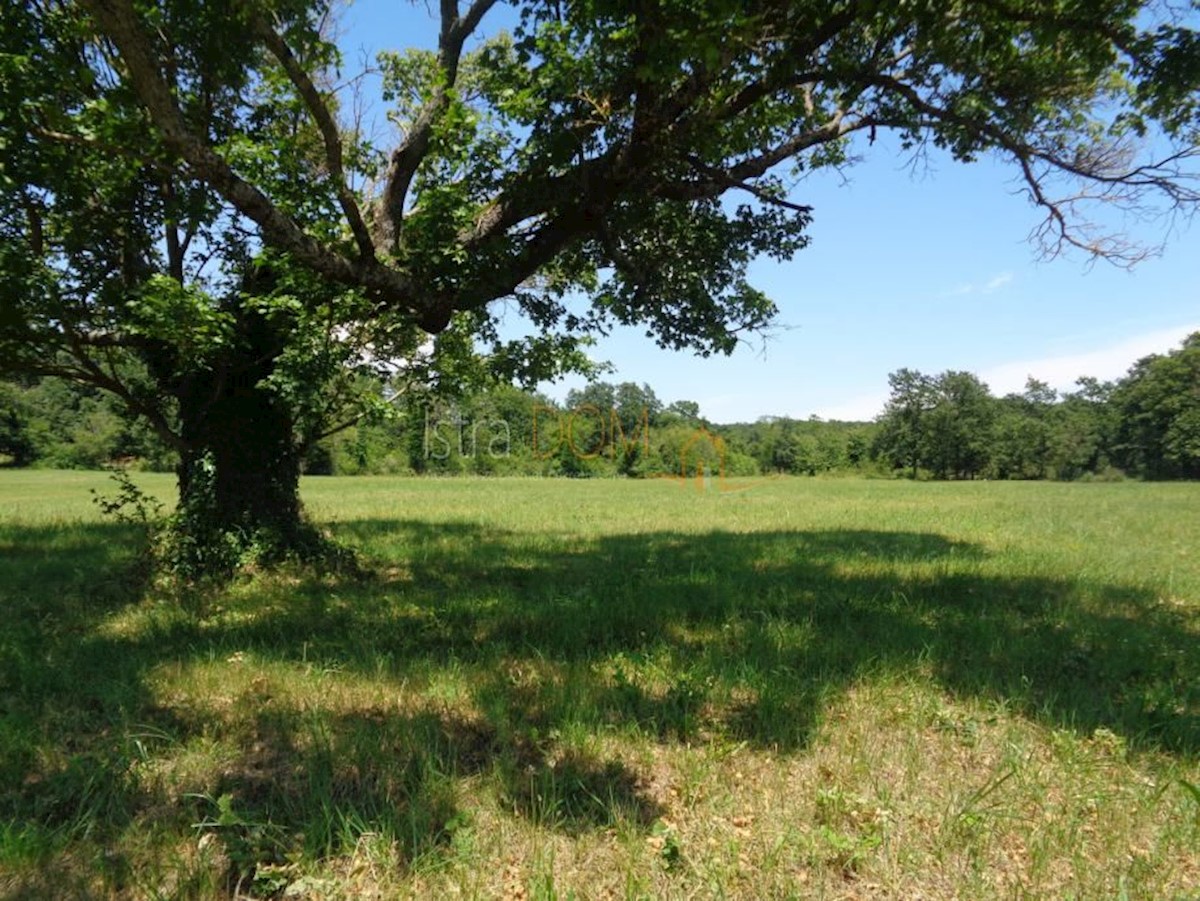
722, 180
37, 236
309, 441
120, 23
88, 371
330, 135
540, 196
780, 76
532, 196
406, 158
575, 201
757, 166
175, 248
551, 238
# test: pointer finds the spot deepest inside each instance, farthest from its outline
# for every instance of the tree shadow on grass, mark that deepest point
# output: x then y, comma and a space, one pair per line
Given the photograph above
64, 773
57, 585
680, 635
80, 718
788, 617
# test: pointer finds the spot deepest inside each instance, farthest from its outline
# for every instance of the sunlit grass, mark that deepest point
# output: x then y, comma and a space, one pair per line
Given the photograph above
599, 689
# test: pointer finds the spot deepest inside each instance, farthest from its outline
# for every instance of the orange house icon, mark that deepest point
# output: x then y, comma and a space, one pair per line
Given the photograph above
702, 462
701, 458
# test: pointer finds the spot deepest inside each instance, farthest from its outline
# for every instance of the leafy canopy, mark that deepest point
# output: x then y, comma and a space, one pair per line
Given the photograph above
601, 161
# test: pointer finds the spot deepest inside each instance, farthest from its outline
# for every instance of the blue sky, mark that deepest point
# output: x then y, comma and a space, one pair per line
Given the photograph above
931, 269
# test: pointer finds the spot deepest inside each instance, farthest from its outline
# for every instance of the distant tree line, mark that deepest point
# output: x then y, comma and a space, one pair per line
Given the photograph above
58, 424
947, 426
950, 426
602, 429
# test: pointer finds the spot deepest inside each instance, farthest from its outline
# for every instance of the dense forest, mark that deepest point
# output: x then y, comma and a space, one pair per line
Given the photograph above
945, 426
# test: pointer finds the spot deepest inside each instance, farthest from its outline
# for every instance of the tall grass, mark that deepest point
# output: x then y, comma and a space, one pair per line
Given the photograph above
599, 689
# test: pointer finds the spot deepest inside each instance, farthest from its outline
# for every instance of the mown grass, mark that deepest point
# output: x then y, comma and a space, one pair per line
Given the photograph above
615, 689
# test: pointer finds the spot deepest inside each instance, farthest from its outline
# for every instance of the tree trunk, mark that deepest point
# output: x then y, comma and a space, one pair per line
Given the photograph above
239, 476
241, 473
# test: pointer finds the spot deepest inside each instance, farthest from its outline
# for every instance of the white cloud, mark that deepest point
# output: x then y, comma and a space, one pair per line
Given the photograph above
995, 283
860, 408
1104, 363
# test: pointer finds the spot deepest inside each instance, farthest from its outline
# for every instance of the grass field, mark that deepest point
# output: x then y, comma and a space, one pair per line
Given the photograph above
615, 689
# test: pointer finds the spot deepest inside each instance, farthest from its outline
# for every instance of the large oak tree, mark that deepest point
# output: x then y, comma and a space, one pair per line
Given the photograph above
194, 218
